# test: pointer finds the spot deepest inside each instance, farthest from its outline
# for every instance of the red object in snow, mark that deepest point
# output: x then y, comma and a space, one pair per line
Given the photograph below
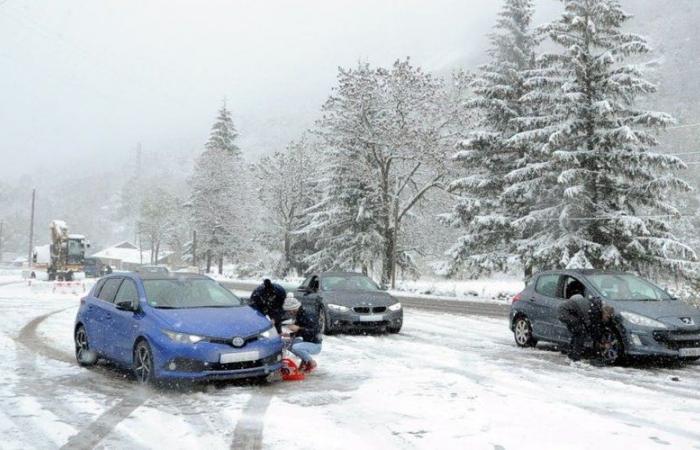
290, 371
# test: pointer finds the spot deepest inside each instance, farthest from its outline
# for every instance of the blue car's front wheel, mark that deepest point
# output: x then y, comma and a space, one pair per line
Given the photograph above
143, 363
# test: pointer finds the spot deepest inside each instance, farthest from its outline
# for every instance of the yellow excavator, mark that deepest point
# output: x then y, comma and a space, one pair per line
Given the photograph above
67, 254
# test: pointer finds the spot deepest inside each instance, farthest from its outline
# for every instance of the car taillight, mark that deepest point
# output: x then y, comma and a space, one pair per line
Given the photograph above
518, 297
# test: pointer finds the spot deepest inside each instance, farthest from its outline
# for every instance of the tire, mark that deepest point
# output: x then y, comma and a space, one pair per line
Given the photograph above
143, 363
325, 321
616, 353
522, 332
83, 354
394, 330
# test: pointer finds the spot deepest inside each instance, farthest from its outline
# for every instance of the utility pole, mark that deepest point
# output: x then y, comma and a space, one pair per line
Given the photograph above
194, 248
31, 231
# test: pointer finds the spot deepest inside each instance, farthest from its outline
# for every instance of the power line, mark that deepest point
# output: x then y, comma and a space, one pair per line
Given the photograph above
689, 125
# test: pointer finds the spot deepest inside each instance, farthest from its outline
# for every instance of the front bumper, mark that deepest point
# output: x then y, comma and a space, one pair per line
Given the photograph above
351, 320
202, 361
664, 343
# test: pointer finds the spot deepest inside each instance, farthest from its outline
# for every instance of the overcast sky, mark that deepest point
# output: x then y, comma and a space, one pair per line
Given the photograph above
83, 81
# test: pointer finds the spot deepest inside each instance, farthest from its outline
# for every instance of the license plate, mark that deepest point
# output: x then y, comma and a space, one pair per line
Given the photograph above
226, 358
689, 352
372, 318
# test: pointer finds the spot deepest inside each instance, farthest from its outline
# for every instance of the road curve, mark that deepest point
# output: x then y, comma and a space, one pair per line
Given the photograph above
461, 307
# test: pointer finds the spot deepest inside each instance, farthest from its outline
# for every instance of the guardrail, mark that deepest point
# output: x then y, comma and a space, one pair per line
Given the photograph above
427, 303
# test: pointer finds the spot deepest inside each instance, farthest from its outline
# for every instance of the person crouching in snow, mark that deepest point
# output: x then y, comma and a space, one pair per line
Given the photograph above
307, 340
586, 318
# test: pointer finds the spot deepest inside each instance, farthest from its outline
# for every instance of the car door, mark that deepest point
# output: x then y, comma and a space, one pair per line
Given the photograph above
124, 324
101, 337
544, 308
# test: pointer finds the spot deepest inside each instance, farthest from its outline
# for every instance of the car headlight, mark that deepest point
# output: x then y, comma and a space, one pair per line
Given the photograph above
395, 307
642, 321
338, 308
269, 333
183, 338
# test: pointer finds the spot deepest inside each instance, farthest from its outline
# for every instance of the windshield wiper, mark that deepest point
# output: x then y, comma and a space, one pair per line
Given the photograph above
166, 307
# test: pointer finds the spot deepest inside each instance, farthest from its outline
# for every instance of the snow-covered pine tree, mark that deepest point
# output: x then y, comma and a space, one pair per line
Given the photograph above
604, 199
487, 155
219, 194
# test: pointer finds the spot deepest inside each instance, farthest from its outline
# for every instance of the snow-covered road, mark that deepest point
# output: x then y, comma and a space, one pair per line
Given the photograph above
444, 382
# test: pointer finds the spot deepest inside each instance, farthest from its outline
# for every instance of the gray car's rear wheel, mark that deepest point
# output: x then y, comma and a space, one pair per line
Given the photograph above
522, 332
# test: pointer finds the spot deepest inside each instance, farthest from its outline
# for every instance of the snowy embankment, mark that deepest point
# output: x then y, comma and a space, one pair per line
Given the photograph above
500, 288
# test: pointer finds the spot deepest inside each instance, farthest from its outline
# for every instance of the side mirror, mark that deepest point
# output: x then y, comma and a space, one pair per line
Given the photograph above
303, 290
126, 305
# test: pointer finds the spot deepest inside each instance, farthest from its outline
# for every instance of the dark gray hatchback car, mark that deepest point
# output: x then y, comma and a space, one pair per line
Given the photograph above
648, 322
350, 301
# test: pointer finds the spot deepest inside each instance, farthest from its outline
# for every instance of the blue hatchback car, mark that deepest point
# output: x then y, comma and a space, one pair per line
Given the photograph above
174, 326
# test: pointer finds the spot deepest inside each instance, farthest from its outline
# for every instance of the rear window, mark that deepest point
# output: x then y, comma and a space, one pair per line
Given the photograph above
109, 289
547, 285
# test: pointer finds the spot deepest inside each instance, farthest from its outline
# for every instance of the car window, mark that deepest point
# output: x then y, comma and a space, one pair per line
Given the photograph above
572, 286
351, 283
547, 285
627, 287
109, 290
127, 292
189, 293
98, 287
313, 284
306, 282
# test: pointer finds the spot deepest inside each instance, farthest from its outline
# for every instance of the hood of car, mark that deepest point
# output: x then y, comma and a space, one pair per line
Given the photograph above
676, 312
358, 298
214, 322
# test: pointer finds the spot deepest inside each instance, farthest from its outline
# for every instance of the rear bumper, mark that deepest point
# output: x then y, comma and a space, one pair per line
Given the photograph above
351, 320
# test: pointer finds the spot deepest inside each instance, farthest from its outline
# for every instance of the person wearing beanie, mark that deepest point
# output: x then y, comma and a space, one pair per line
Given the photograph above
268, 299
307, 340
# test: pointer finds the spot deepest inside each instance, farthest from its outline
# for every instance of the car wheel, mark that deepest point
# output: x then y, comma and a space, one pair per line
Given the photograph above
143, 363
614, 349
324, 321
83, 354
523, 332
394, 329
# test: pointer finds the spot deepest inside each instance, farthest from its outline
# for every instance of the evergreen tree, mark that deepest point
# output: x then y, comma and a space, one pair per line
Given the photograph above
488, 155
602, 197
219, 196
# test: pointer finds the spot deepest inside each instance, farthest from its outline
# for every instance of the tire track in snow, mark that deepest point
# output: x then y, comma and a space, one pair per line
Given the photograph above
88, 436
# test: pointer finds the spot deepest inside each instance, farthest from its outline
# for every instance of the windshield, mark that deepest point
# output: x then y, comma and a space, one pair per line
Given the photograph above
188, 293
351, 283
623, 287
75, 247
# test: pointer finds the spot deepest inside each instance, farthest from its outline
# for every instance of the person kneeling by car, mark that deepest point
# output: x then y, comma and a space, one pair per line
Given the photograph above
586, 318
307, 340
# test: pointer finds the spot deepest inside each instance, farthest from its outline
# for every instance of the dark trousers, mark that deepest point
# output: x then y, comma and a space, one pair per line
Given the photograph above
578, 341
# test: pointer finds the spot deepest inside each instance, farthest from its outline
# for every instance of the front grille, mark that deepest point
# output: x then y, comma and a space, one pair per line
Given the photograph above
248, 340
244, 364
675, 340
361, 309
379, 309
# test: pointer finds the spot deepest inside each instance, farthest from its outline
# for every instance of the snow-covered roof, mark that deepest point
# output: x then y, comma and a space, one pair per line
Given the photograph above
128, 253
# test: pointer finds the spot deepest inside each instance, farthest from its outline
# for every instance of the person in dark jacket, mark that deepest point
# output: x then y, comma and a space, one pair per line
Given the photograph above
268, 298
307, 340
585, 318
